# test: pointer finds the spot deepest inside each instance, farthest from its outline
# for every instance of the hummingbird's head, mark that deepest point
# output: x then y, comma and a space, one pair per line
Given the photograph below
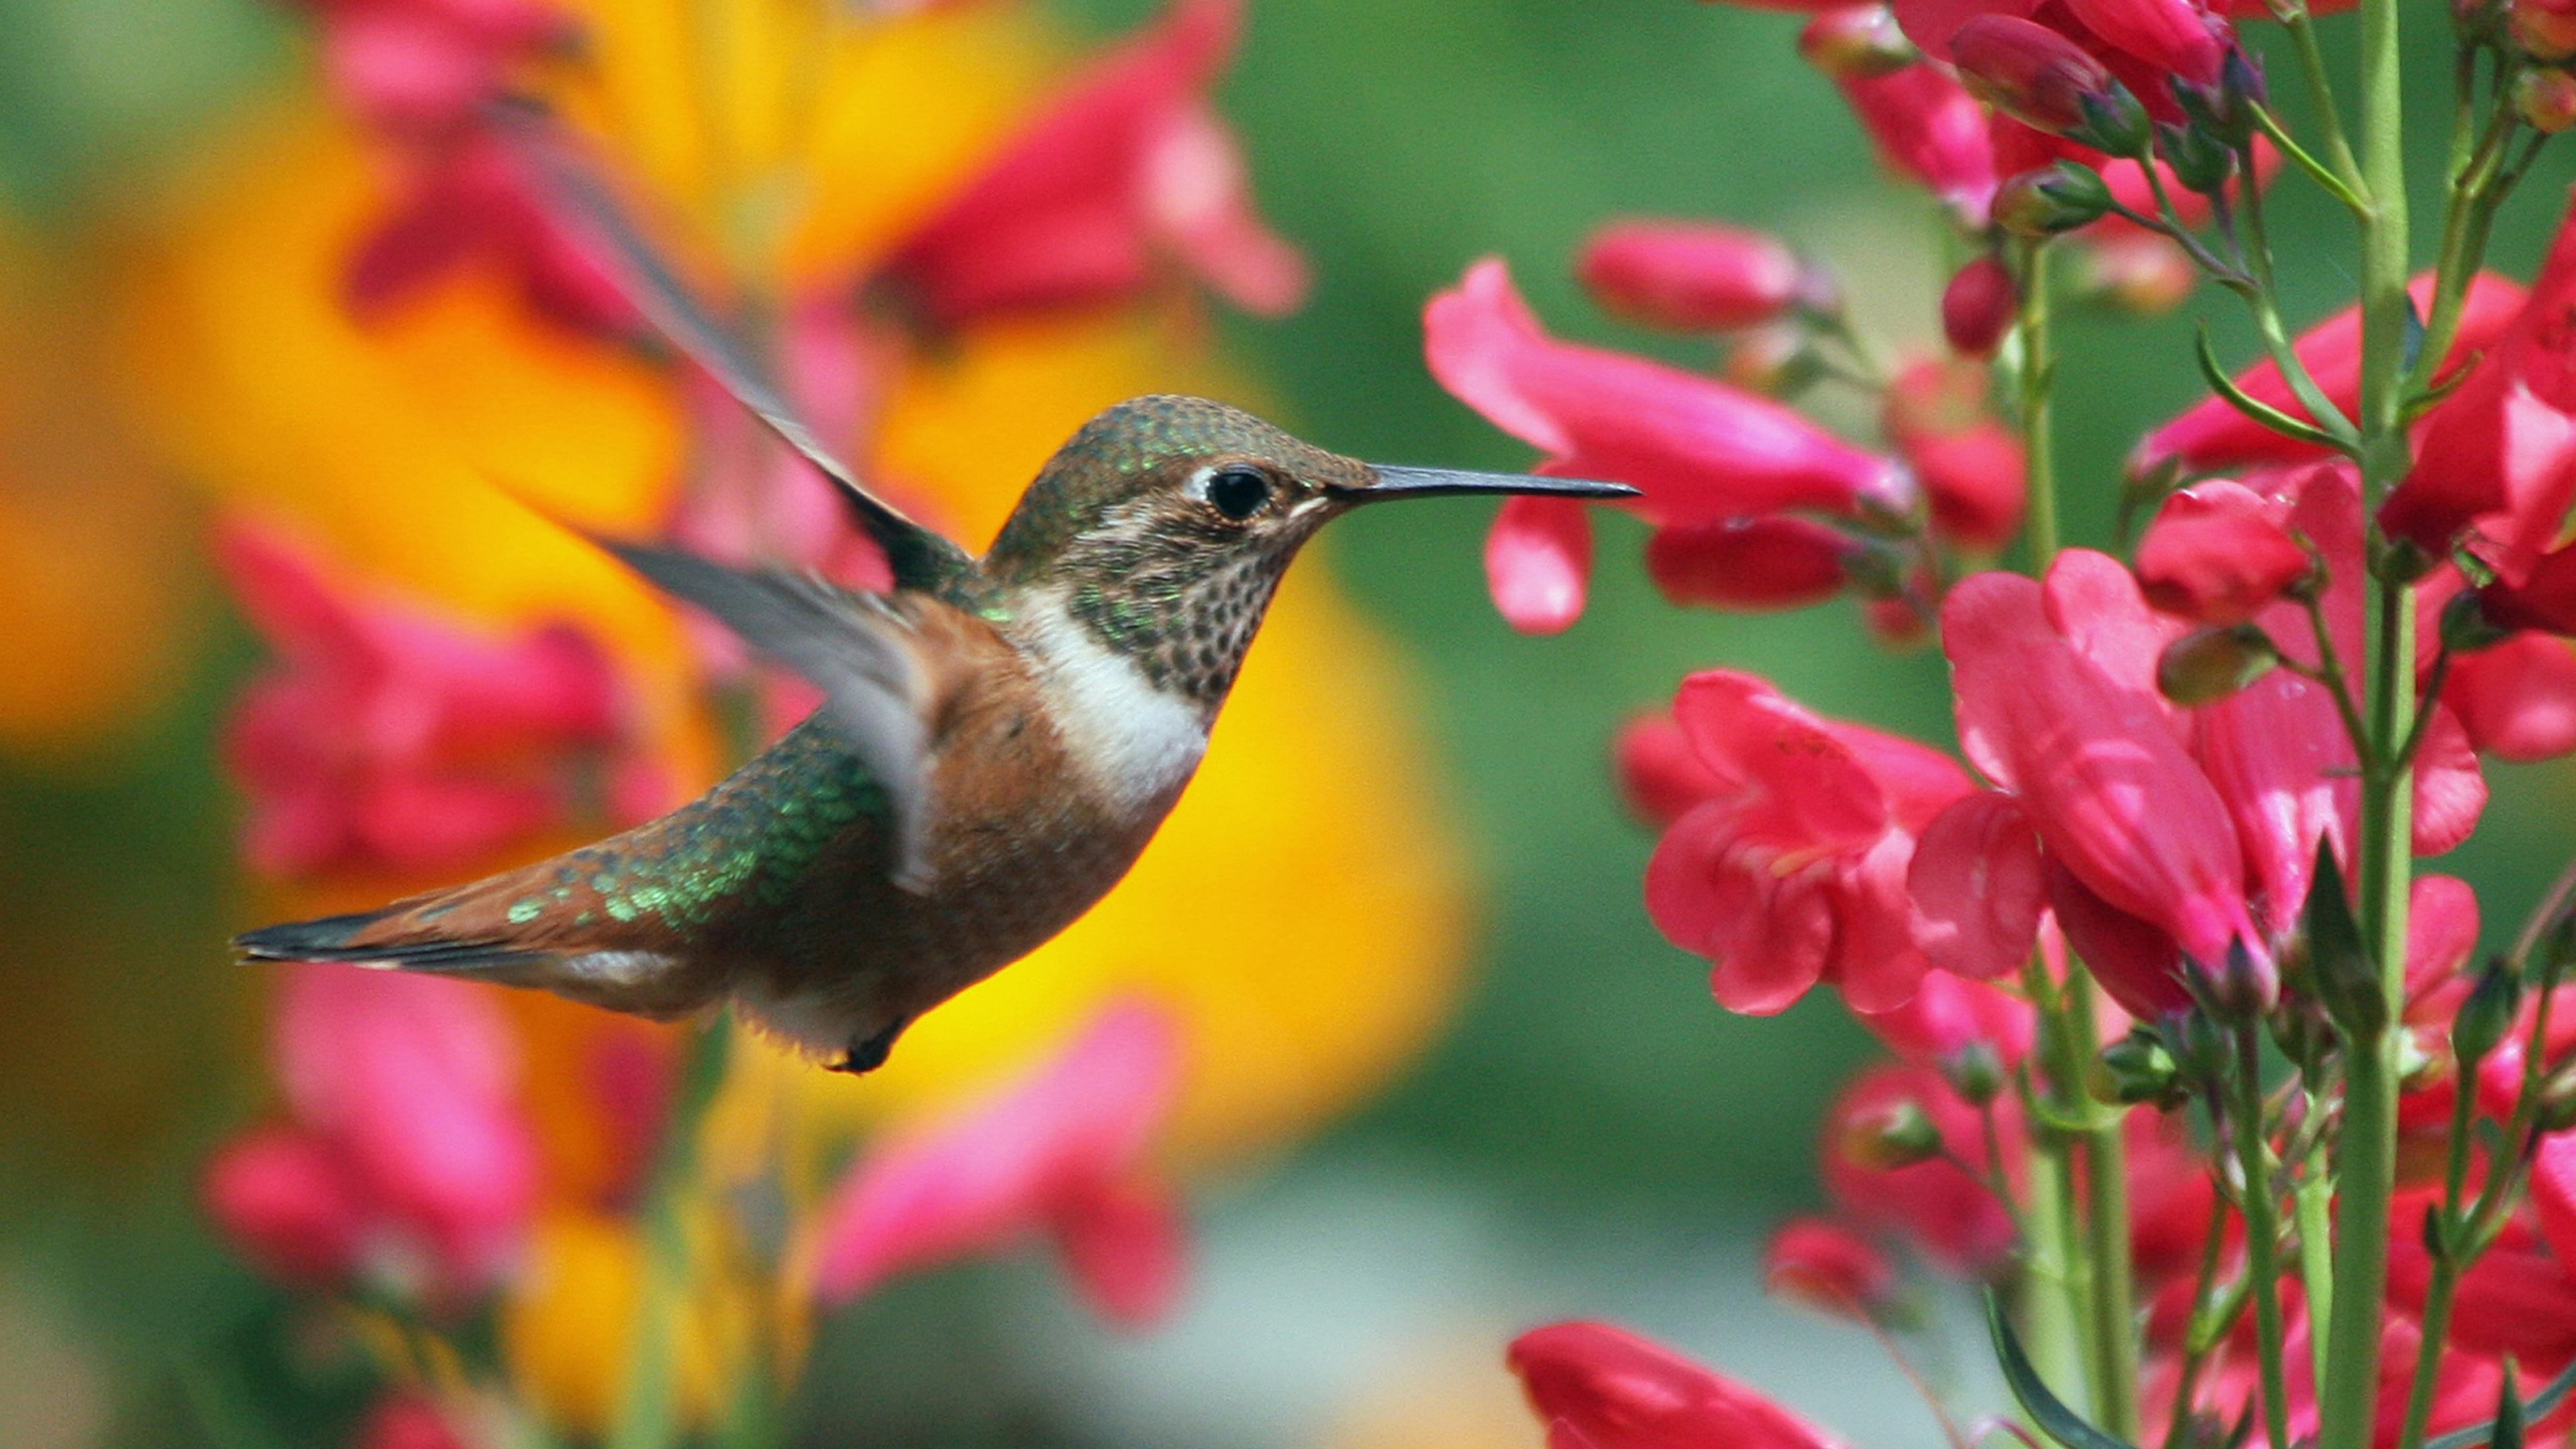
1167, 522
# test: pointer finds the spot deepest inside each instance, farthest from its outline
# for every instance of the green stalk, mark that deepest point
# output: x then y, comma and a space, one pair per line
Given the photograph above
2367, 1157
2449, 1258
2312, 1203
2262, 1230
647, 1416
2038, 436
2057, 1309
2112, 1280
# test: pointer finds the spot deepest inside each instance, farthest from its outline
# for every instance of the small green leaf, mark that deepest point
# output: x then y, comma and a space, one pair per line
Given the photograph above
2046, 1410
2261, 412
2346, 980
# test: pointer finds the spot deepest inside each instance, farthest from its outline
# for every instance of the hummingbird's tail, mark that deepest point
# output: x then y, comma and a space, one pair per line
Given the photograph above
520, 928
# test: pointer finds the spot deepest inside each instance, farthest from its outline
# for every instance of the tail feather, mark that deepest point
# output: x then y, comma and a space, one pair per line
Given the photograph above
336, 938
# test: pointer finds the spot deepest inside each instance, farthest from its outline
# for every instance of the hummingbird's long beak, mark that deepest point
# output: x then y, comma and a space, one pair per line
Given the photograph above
1395, 482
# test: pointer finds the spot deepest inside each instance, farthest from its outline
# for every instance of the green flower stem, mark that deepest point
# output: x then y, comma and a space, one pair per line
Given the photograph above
2196, 1345
2450, 1259
2262, 1229
2312, 67
2038, 436
2112, 1279
2312, 1206
2366, 1158
2057, 1302
2262, 299
647, 1416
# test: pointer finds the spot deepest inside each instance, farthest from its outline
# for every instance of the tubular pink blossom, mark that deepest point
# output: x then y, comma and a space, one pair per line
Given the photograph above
1828, 1267
2213, 435
1794, 870
2502, 449
413, 1080
1950, 1014
1659, 773
284, 1200
2029, 72
2179, 36
2217, 553
2092, 759
1611, 1389
1978, 887
1129, 165
1942, 1208
2441, 931
1749, 563
2137, 962
1700, 450
1927, 128
2517, 701
1538, 563
1695, 276
1061, 1148
386, 737
1970, 466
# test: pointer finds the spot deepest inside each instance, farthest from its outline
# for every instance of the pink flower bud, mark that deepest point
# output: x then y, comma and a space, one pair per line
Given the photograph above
2545, 29
288, 1203
1979, 306
2217, 552
1829, 1268
1971, 467
1941, 1204
2134, 271
1697, 277
1538, 563
2038, 77
1607, 1388
2545, 99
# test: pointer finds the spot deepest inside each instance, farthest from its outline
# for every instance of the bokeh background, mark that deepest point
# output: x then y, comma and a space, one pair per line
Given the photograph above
1565, 1125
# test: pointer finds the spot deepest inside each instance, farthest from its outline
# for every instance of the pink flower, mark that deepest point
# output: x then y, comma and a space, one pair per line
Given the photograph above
2213, 435
1947, 1211
2056, 705
1794, 871
2029, 72
1062, 1149
408, 1154
1927, 128
1599, 1387
1828, 1267
1129, 167
1978, 306
2217, 553
1950, 1015
406, 1420
387, 738
1696, 276
1659, 772
2517, 700
1538, 563
1971, 467
469, 203
2501, 451
419, 68
1702, 451
1748, 563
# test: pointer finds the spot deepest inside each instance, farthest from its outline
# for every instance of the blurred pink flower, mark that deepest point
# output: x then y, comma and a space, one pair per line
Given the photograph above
1063, 1148
416, 69
2517, 701
1978, 306
386, 737
2026, 70
1945, 1210
1599, 1387
1696, 276
1128, 167
468, 203
1828, 1267
408, 1154
1659, 771
1970, 466
1951, 1014
405, 1420
1538, 563
1793, 870
1927, 128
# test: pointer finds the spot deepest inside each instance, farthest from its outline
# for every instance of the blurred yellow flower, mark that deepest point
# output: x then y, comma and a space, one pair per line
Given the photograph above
567, 1331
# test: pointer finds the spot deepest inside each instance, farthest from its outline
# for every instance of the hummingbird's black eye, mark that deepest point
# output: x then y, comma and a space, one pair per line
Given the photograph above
1238, 493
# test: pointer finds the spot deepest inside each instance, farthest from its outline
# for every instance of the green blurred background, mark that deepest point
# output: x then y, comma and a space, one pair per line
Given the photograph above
1591, 1137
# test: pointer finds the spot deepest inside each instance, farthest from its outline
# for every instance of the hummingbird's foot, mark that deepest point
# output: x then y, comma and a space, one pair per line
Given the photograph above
866, 1055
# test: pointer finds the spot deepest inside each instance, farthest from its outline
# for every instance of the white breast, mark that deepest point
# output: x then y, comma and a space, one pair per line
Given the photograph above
1138, 743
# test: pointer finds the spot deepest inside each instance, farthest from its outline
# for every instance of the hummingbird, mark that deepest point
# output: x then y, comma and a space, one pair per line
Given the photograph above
999, 738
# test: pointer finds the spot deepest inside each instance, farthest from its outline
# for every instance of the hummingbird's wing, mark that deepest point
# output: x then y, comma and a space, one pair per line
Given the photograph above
859, 649
575, 196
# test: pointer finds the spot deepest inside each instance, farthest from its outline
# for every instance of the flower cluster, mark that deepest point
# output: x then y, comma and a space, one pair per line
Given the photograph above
2176, 849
